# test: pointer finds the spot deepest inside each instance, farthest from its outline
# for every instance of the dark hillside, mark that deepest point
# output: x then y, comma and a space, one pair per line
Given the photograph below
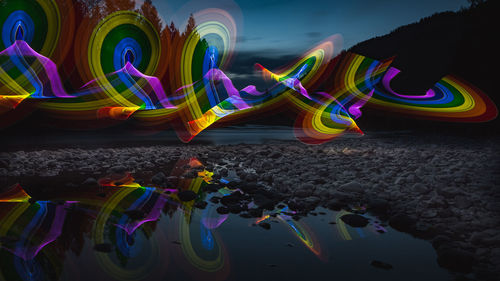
460, 43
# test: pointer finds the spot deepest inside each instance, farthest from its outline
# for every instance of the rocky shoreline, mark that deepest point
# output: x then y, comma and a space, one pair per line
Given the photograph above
443, 189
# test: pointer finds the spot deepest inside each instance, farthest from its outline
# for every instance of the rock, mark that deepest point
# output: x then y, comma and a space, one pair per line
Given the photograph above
430, 213
235, 208
353, 186
214, 155
200, 204
191, 174
231, 199
211, 187
187, 195
493, 206
255, 212
402, 222
399, 181
265, 225
250, 188
456, 259
335, 205
223, 172
345, 197
264, 202
492, 240
307, 186
312, 201
159, 178
71, 185
302, 193
104, 247
380, 264
215, 199
354, 220
420, 188
172, 179
275, 155
448, 191
89, 182
222, 210
378, 205
295, 205
462, 202
440, 240
245, 215
118, 169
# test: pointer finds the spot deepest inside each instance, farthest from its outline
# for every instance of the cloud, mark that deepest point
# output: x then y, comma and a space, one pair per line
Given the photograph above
244, 61
243, 39
242, 69
313, 34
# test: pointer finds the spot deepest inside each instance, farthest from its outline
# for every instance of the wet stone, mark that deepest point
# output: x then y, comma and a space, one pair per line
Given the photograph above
159, 178
354, 220
265, 225
222, 210
200, 204
402, 222
187, 195
90, 182
380, 264
456, 259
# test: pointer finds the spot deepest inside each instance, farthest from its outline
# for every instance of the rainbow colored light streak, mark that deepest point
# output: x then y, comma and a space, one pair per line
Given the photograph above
161, 77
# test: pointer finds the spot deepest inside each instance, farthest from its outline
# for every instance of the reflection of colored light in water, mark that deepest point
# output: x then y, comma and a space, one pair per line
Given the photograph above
262, 219
44, 223
112, 224
215, 262
304, 236
14, 193
341, 226
299, 230
344, 232
211, 219
207, 239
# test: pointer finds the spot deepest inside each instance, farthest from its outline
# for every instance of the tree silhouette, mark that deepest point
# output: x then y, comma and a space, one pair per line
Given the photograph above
88, 8
191, 25
150, 12
174, 32
117, 5
475, 3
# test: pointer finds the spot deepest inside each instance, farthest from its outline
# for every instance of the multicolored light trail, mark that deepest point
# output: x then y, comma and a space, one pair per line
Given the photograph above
137, 71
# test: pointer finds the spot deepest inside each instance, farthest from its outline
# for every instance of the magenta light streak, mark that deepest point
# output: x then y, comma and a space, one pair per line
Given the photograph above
354, 109
154, 82
21, 48
386, 81
153, 215
28, 253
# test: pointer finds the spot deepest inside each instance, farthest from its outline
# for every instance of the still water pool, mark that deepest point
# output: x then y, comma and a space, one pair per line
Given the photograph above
124, 231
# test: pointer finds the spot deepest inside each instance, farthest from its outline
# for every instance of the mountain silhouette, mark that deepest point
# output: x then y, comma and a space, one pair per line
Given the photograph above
461, 43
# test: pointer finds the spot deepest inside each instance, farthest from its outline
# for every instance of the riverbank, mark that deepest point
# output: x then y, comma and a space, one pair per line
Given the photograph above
442, 189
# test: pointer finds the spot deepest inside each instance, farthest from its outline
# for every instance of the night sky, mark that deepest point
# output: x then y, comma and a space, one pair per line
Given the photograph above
292, 26
276, 32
